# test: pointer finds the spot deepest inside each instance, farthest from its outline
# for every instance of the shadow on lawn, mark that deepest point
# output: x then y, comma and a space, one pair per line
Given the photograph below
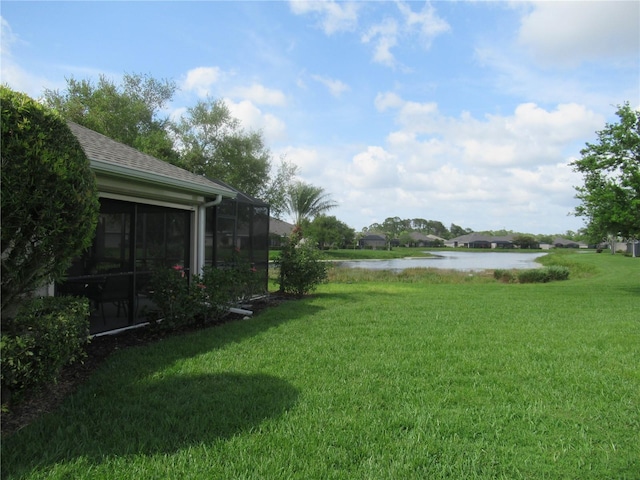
163, 416
140, 407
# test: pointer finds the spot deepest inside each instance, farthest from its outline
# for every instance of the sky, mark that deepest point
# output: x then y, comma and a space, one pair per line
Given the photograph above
465, 112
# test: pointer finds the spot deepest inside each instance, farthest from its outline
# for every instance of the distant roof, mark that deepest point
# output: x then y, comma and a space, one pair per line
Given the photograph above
111, 157
278, 227
471, 238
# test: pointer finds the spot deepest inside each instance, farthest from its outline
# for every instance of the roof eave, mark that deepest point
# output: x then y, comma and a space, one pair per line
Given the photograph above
119, 171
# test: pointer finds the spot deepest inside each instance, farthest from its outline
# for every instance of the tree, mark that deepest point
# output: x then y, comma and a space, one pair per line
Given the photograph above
329, 231
525, 241
306, 201
127, 113
49, 196
212, 142
610, 195
278, 187
457, 231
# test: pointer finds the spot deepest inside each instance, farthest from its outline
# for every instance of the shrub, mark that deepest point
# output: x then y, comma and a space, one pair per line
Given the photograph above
538, 275
557, 272
203, 298
49, 196
171, 295
45, 335
505, 276
301, 267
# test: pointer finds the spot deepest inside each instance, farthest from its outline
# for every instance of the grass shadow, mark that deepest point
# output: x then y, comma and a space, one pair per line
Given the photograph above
150, 417
135, 395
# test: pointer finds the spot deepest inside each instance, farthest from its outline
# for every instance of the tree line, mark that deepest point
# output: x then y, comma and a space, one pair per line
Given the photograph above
206, 139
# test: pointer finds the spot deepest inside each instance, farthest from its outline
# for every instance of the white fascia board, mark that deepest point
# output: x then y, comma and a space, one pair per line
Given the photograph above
109, 169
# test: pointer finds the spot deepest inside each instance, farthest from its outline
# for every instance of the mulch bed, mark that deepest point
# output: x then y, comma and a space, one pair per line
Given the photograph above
36, 403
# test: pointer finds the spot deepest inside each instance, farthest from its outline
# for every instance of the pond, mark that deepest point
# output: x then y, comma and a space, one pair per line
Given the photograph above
449, 260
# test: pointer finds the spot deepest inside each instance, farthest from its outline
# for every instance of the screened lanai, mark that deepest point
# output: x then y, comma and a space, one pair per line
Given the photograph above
156, 215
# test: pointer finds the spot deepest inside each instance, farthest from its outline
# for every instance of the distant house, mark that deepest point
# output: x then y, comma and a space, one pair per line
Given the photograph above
502, 242
560, 242
372, 240
419, 239
478, 240
154, 214
278, 231
470, 240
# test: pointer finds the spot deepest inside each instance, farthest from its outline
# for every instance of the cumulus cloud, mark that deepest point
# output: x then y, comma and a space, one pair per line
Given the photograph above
516, 166
261, 95
568, 33
373, 168
531, 135
335, 87
252, 118
333, 16
201, 80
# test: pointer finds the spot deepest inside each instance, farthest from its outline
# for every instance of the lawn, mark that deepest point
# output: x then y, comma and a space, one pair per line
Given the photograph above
405, 377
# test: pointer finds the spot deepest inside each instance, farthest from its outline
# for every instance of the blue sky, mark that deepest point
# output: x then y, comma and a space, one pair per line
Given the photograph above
462, 112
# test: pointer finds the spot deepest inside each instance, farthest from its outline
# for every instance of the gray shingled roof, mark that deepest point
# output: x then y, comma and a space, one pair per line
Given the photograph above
279, 227
100, 148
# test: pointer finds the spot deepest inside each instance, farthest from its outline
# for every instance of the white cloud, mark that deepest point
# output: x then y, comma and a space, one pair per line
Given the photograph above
201, 80
11, 73
427, 22
531, 135
497, 171
568, 33
384, 35
252, 118
261, 95
374, 168
387, 100
334, 16
336, 87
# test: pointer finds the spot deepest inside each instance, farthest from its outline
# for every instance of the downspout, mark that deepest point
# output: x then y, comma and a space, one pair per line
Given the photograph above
202, 219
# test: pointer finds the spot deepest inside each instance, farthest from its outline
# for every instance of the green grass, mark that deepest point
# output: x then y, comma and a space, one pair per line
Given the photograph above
372, 379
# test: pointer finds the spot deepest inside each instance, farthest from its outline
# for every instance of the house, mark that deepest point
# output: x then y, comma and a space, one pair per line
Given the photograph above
419, 239
373, 241
154, 214
278, 231
560, 242
470, 240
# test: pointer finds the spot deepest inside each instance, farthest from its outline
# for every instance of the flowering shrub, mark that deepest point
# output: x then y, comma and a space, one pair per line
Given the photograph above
183, 301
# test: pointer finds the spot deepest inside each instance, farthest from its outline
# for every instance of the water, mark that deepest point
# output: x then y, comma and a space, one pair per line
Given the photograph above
464, 261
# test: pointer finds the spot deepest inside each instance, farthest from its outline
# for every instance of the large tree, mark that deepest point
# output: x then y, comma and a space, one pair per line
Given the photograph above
49, 196
129, 113
306, 201
213, 143
276, 192
329, 231
610, 195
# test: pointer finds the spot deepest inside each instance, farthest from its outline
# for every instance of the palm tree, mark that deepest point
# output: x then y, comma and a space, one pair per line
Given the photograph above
306, 201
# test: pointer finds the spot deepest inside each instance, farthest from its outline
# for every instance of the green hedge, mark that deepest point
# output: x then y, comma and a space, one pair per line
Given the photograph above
45, 335
538, 275
49, 197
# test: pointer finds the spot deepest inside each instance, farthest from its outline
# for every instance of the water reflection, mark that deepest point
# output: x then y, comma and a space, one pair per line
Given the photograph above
464, 261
